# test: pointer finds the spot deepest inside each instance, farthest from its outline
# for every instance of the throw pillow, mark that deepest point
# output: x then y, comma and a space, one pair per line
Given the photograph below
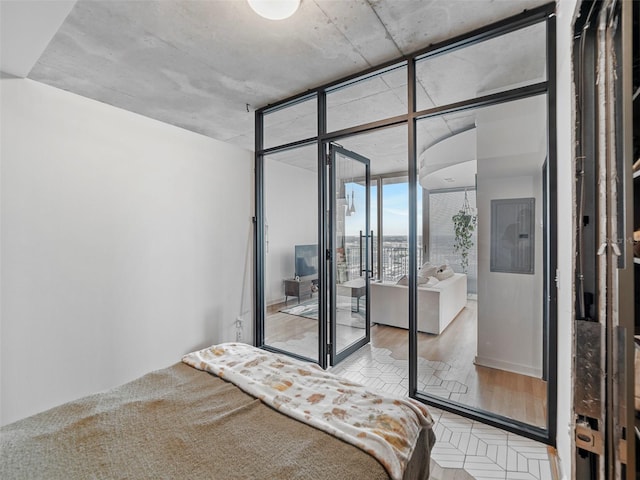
404, 280
427, 270
444, 272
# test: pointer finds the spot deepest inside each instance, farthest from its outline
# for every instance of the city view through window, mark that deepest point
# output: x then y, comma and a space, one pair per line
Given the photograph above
395, 226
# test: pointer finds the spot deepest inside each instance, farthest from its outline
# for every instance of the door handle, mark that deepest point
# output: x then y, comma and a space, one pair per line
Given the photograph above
369, 240
361, 269
371, 252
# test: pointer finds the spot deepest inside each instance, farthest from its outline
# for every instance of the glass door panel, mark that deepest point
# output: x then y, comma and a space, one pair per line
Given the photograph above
350, 247
291, 252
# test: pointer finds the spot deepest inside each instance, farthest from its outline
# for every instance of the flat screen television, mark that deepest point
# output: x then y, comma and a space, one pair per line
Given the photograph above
306, 260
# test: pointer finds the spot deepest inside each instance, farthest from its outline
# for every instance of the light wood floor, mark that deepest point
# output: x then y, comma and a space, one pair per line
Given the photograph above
508, 394
301, 333
512, 395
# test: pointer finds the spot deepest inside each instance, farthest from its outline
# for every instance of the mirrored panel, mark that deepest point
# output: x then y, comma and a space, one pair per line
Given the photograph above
288, 124
291, 251
481, 328
376, 97
509, 61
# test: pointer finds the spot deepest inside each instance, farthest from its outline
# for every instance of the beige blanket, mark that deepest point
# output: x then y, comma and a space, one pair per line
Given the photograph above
385, 426
182, 423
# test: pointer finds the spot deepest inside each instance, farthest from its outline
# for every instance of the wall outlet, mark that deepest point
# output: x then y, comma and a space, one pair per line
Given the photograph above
239, 327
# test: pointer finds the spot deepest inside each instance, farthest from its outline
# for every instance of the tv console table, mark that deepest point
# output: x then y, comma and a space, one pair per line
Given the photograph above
298, 288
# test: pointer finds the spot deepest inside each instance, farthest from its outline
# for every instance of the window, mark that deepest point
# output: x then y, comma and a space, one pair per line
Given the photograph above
442, 207
395, 227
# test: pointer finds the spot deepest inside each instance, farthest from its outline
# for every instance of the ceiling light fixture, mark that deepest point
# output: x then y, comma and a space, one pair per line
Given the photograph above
274, 9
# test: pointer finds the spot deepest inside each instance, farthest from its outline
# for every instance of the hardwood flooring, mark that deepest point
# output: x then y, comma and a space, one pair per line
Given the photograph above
512, 395
300, 334
509, 394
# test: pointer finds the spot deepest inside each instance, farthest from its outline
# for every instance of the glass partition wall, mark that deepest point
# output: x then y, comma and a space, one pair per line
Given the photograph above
291, 251
431, 233
485, 250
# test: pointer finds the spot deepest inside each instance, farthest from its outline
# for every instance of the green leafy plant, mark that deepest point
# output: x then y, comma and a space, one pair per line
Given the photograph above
464, 224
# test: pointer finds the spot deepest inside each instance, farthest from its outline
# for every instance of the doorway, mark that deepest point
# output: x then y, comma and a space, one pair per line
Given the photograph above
349, 258
317, 265
483, 148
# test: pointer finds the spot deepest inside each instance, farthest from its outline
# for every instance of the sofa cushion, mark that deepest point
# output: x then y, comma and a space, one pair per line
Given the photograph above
430, 282
437, 305
424, 281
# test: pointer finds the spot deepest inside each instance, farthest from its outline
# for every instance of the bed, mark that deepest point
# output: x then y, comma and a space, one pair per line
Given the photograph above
187, 423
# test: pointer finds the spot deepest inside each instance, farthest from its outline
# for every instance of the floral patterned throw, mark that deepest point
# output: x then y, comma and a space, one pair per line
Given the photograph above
386, 427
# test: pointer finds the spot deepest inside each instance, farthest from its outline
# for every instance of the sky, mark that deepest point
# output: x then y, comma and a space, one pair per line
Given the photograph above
395, 218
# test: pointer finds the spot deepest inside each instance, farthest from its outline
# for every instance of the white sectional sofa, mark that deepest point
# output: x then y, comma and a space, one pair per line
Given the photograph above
437, 305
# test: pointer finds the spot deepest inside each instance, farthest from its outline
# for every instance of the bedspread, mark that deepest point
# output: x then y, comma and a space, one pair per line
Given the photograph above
385, 427
182, 423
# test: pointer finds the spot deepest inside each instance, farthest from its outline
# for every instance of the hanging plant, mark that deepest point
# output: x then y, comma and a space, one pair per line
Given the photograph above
464, 224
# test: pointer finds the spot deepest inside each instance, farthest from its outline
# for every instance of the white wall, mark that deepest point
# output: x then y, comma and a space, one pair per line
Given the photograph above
565, 118
509, 305
511, 149
291, 201
126, 243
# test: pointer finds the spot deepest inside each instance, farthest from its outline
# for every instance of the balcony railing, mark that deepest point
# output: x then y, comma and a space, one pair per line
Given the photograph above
395, 262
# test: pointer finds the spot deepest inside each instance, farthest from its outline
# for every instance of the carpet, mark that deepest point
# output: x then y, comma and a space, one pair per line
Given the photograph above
347, 315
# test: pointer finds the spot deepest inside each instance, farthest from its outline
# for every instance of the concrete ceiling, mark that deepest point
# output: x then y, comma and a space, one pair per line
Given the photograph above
506, 139
197, 64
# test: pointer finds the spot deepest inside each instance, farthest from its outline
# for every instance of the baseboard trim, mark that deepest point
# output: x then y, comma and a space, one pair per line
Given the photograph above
508, 366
